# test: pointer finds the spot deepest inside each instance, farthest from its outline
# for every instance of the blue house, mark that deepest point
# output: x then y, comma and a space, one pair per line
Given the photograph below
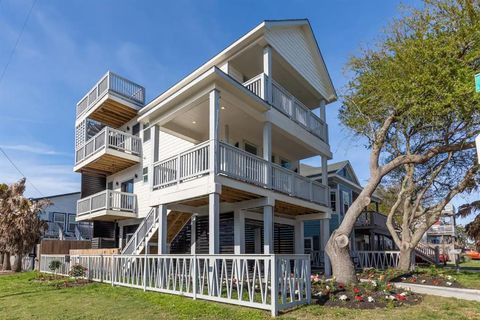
370, 233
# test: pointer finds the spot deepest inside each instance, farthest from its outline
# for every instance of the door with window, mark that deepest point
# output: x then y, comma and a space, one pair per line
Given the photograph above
126, 201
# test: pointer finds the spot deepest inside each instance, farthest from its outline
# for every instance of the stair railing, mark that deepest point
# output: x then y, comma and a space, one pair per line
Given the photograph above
143, 229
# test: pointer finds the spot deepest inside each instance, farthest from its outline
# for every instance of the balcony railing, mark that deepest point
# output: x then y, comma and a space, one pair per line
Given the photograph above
112, 82
237, 164
286, 103
371, 219
107, 200
446, 228
109, 138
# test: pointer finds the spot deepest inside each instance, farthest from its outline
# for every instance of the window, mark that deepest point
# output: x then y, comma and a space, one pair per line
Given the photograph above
308, 244
127, 186
136, 129
145, 174
286, 164
59, 218
333, 200
346, 201
71, 223
250, 148
146, 133
110, 185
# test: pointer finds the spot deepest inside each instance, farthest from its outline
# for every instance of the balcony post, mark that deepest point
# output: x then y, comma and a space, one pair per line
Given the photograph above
325, 177
267, 70
268, 244
239, 231
267, 152
193, 234
299, 237
214, 223
162, 229
214, 109
324, 236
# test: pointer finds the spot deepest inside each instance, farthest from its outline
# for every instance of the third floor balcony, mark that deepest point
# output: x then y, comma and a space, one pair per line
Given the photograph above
113, 100
289, 105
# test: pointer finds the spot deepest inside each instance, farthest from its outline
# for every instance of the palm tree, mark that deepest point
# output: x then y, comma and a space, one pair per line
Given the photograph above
20, 225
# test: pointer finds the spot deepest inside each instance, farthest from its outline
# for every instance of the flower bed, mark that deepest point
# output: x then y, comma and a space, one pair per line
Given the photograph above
370, 294
431, 277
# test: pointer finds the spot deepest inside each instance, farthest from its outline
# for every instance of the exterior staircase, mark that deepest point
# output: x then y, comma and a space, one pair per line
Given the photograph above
426, 253
147, 231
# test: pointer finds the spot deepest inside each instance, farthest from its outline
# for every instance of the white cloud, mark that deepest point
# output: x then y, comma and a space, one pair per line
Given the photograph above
41, 150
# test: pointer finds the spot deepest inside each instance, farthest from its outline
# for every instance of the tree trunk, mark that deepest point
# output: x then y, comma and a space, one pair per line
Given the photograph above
6, 261
405, 261
338, 251
1, 260
17, 264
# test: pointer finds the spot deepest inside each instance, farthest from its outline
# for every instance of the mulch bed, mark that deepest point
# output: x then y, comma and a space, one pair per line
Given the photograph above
431, 277
60, 281
365, 295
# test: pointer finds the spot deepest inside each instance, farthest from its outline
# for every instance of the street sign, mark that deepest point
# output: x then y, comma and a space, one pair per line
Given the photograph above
477, 82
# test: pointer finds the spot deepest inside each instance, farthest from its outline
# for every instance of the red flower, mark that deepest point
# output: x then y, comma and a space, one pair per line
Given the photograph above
358, 298
340, 286
414, 279
400, 297
356, 290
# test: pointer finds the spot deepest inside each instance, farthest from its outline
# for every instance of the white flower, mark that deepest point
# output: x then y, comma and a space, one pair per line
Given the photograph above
296, 291
449, 277
449, 283
327, 287
374, 283
343, 297
423, 281
403, 294
390, 297
370, 299
403, 278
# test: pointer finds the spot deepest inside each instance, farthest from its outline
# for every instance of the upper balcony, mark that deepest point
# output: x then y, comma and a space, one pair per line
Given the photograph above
237, 164
442, 229
371, 219
107, 205
289, 105
109, 151
113, 101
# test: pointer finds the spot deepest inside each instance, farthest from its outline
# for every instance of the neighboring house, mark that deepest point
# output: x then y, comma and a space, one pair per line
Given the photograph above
370, 232
210, 165
60, 218
442, 233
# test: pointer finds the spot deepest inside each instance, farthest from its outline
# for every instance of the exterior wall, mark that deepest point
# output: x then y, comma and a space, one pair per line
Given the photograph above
288, 42
65, 205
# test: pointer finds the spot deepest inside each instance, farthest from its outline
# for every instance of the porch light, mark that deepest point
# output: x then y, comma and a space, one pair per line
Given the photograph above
194, 122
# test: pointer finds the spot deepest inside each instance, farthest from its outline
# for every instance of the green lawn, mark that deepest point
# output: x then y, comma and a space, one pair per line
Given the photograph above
21, 298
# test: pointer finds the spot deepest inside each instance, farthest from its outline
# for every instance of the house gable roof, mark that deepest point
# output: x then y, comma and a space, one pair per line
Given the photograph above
268, 30
343, 169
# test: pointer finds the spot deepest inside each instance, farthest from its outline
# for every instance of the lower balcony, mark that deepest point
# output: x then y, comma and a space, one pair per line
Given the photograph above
107, 205
239, 165
109, 151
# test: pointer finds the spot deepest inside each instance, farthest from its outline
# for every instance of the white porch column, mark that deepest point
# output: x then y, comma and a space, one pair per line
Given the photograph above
193, 235
268, 244
239, 231
267, 70
120, 237
324, 236
325, 179
156, 142
213, 130
299, 237
323, 114
214, 223
267, 150
162, 229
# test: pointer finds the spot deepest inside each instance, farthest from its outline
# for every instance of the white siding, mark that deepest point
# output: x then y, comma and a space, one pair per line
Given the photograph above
292, 44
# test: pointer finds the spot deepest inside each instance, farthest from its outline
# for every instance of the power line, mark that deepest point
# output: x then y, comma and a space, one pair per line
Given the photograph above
17, 41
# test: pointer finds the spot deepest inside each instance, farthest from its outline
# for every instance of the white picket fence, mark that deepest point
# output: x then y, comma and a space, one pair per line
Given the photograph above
377, 259
269, 282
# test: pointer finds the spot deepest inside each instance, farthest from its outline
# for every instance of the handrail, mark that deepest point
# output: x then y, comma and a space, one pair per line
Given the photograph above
109, 138
289, 105
107, 200
143, 229
237, 164
114, 83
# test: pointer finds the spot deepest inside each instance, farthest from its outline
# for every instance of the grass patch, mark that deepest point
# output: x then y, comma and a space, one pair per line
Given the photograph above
23, 298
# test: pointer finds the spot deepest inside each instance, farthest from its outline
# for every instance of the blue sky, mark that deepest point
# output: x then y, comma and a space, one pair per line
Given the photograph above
68, 45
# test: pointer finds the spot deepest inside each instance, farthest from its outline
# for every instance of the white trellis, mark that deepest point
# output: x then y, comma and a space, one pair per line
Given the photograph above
269, 282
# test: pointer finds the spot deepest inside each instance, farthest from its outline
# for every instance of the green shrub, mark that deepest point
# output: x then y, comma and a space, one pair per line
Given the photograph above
54, 265
77, 271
